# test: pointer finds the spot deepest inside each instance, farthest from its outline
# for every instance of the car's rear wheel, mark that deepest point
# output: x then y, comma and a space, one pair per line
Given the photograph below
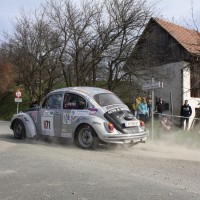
86, 137
19, 129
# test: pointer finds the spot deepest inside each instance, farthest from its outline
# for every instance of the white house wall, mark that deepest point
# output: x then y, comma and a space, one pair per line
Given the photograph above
172, 86
178, 85
193, 102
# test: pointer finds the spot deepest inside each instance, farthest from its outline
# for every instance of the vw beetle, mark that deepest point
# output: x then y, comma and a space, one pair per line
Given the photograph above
87, 115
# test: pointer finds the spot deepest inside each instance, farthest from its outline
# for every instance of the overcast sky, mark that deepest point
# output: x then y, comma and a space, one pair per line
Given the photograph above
169, 9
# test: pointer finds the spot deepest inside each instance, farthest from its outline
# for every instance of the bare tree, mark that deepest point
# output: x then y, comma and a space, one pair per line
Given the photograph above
33, 49
78, 44
118, 34
58, 17
74, 27
97, 39
7, 73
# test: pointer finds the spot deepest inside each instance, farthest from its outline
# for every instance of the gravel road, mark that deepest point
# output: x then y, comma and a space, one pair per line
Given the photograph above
50, 170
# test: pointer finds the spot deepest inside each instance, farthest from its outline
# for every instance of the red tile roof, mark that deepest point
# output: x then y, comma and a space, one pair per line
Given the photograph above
189, 39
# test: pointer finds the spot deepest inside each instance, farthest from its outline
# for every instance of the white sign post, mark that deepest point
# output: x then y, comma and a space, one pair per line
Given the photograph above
18, 98
152, 86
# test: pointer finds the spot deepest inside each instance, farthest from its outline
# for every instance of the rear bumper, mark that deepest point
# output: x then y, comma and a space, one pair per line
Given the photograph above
126, 138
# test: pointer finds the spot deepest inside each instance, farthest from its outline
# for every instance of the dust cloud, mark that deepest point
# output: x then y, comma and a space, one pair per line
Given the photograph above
175, 145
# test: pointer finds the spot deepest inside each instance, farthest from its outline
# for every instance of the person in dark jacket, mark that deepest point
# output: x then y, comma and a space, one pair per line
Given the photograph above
185, 113
160, 107
34, 103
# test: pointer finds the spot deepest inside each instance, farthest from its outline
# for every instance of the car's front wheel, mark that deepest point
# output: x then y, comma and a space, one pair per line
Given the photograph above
86, 137
19, 129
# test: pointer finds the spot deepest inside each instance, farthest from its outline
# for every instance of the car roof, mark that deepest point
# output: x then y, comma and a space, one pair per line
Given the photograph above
89, 91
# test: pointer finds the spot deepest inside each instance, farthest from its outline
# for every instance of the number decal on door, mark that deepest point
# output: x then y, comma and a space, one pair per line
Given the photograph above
47, 124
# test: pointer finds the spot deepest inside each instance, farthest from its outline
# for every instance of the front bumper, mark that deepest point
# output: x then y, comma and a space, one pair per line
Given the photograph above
126, 138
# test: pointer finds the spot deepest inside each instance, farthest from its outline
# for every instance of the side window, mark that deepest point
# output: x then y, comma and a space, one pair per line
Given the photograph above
72, 101
53, 102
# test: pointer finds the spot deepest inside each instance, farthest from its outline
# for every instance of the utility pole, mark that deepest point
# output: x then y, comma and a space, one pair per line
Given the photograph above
152, 109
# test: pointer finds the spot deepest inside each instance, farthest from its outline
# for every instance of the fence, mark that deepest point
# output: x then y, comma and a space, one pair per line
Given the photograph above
175, 120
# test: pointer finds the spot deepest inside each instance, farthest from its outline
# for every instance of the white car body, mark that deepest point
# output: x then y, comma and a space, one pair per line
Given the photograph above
79, 113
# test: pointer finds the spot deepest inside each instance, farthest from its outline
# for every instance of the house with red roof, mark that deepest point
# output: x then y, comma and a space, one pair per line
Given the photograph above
175, 51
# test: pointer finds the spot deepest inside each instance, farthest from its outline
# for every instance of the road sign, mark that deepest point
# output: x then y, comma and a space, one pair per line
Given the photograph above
152, 86
19, 100
18, 94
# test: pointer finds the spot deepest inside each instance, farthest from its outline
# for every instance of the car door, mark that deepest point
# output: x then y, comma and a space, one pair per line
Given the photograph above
73, 108
51, 115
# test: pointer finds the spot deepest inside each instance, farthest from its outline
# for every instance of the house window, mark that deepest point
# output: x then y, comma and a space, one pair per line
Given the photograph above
195, 80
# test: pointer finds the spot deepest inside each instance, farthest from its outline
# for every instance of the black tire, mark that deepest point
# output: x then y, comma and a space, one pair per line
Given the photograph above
86, 137
19, 129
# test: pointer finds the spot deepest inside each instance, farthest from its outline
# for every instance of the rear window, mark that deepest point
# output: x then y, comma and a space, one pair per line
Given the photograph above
105, 99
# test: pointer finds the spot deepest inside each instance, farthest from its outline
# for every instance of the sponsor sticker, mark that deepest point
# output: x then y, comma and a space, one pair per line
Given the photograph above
47, 113
66, 135
67, 118
80, 113
114, 110
92, 110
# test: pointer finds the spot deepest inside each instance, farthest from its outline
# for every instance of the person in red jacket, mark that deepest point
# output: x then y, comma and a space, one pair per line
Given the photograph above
185, 113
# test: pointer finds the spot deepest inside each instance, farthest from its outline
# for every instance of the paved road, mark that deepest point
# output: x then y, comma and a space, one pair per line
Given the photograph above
43, 170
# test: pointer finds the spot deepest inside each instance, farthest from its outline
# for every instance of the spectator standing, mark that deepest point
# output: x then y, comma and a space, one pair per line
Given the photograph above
135, 105
143, 110
185, 113
160, 107
149, 105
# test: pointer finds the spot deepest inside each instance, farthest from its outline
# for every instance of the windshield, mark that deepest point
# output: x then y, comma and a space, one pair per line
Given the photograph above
105, 99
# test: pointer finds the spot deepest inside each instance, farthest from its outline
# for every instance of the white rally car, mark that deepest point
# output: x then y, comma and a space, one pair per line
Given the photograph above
87, 115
